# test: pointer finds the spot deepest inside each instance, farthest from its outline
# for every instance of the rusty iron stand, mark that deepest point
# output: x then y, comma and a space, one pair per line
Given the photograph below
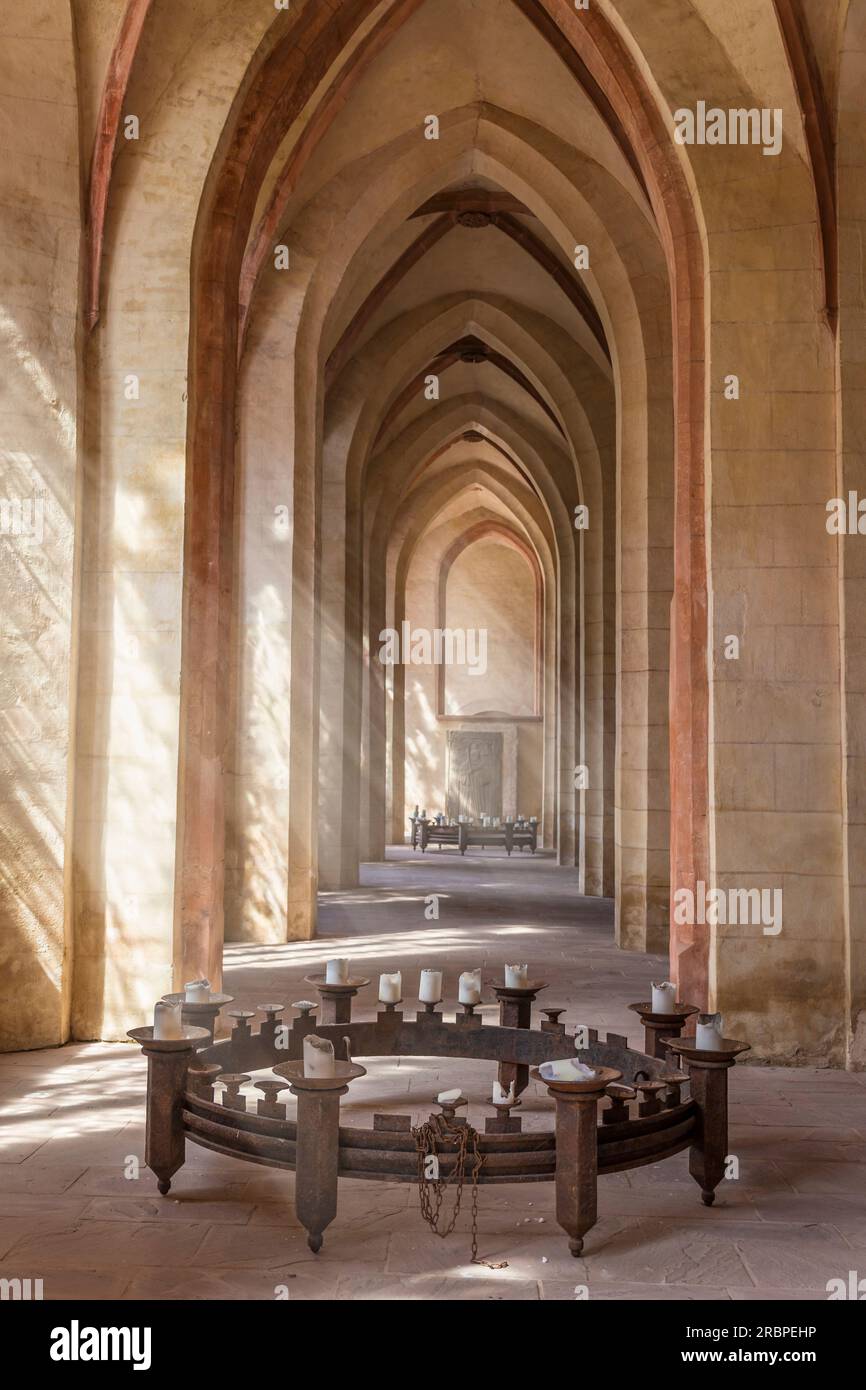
336, 999
167, 1062
515, 1011
659, 1027
317, 1153
202, 1015
708, 1083
195, 1092
577, 1151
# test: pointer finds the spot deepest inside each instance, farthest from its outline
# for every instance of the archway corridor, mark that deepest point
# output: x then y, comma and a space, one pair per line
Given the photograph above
431, 436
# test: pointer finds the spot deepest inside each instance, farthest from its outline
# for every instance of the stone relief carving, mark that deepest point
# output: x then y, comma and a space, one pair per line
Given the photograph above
474, 774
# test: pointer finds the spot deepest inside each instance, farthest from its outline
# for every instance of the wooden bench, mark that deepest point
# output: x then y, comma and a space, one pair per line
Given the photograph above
516, 835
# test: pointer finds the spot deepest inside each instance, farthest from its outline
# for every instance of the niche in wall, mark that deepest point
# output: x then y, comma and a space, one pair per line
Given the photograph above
490, 588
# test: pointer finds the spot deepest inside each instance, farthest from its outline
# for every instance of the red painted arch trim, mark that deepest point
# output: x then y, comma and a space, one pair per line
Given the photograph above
819, 141
326, 112
105, 143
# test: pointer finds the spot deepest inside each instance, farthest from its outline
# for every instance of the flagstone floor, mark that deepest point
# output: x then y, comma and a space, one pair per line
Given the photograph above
71, 1119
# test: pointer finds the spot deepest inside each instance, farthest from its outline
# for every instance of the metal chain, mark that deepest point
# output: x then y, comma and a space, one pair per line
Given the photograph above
461, 1139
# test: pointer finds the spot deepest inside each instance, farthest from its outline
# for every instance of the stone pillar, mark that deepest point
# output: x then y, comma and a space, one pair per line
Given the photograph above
40, 228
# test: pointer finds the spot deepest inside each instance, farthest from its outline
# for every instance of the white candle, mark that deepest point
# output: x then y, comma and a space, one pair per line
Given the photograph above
167, 1021
501, 1096
664, 998
391, 988
318, 1056
516, 976
708, 1032
430, 988
469, 987
197, 992
567, 1069
337, 972
449, 1097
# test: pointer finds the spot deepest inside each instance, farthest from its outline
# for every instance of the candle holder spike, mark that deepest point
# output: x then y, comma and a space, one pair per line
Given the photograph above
651, 1092
675, 1082
203, 1014
233, 1100
551, 1022
241, 1032
336, 998
617, 1112
201, 1077
658, 1027
269, 1105
505, 1122
469, 1018
448, 1109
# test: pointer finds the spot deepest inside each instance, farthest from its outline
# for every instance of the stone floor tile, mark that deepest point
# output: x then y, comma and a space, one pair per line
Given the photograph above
273, 1245
190, 1207
108, 1244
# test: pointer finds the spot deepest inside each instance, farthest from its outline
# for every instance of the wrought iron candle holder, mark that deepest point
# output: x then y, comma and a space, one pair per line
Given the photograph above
645, 1116
202, 1014
658, 1027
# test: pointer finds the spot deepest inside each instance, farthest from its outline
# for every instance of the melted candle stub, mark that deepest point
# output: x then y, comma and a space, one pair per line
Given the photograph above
469, 987
430, 988
167, 1021
449, 1097
708, 1032
391, 988
318, 1056
197, 992
663, 997
566, 1070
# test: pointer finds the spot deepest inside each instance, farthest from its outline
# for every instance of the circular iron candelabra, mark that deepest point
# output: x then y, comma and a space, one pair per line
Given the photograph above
654, 1103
